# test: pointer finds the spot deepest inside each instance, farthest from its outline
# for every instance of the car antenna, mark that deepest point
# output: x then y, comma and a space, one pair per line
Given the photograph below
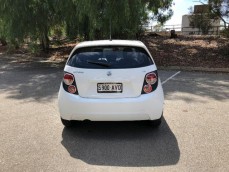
110, 29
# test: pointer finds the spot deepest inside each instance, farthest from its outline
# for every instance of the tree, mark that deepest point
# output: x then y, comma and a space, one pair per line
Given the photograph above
90, 19
2, 33
201, 19
125, 17
161, 10
217, 9
28, 18
220, 8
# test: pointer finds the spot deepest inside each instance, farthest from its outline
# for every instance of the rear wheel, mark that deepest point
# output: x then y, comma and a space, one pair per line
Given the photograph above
66, 123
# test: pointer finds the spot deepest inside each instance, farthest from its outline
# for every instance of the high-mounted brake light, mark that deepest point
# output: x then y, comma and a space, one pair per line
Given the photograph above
68, 79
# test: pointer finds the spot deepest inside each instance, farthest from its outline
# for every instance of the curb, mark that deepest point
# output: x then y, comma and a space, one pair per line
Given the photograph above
199, 69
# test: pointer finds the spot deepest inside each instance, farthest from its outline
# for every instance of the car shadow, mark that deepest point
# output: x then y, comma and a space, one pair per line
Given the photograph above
132, 144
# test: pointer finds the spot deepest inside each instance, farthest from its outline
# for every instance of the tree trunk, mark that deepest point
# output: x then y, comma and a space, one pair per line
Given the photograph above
45, 42
3, 41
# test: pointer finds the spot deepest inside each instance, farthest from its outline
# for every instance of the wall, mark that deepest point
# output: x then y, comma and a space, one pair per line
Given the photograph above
188, 30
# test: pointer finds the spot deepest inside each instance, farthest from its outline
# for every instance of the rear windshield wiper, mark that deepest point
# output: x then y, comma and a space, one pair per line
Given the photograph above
99, 63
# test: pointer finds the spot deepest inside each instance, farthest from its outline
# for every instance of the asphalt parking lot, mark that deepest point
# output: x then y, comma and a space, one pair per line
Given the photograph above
194, 135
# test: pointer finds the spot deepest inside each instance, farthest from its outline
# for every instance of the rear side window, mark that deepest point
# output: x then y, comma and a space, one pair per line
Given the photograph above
112, 57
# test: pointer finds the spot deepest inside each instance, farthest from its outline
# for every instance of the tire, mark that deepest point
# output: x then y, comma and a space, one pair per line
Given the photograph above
66, 123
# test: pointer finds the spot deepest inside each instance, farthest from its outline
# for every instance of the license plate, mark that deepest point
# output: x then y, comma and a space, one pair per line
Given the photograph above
109, 87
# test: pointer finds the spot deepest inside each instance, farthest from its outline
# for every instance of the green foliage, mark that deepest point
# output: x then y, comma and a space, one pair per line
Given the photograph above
88, 19
220, 9
28, 18
202, 20
57, 32
161, 10
225, 32
34, 48
125, 17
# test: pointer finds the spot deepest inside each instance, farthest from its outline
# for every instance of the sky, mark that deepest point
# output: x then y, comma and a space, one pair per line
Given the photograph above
180, 8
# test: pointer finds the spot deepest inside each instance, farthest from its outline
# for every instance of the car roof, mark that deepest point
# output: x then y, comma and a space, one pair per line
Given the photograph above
110, 42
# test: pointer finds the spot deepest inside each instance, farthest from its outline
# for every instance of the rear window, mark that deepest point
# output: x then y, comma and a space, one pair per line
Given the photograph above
112, 57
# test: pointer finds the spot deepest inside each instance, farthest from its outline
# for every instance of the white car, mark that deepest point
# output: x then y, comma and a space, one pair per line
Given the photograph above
110, 81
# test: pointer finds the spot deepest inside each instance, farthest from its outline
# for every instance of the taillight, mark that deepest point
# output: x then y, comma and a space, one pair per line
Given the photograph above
71, 89
68, 79
69, 83
150, 82
151, 78
147, 88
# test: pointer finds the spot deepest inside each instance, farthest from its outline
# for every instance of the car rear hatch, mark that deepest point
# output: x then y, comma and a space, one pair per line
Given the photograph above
109, 71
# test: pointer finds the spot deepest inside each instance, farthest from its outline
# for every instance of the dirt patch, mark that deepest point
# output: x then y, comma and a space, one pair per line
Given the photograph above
192, 51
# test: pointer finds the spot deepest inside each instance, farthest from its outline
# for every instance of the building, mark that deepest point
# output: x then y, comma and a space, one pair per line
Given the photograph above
187, 28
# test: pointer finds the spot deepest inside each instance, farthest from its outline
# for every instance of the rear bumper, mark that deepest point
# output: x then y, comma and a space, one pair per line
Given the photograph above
144, 107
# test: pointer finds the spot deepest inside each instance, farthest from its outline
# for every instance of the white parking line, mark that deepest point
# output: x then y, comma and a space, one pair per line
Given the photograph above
170, 78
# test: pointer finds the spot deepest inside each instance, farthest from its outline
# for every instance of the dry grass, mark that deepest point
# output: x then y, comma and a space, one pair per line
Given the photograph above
196, 51
193, 51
